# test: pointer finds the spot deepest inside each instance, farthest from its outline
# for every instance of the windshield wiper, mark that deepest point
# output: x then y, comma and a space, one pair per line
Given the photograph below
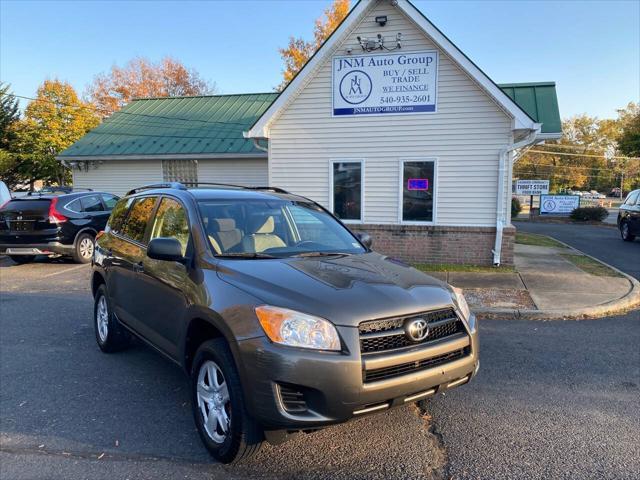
245, 255
320, 254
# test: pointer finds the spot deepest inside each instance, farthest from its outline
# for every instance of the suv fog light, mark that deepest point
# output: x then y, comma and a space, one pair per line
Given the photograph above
297, 329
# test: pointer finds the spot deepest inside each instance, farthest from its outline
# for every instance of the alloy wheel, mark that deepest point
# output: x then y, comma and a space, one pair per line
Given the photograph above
102, 318
214, 402
86, 248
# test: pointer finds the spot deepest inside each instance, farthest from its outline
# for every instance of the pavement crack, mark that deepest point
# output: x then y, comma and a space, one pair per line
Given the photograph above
439, 470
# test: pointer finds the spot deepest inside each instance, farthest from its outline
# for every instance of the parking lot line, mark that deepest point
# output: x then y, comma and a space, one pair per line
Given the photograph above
70, 269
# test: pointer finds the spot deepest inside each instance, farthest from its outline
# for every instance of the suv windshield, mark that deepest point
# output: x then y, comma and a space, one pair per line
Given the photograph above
273, 228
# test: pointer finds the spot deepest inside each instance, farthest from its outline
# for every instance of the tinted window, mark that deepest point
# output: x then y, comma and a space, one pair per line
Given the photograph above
171, 221
347, 190
110, 201
74, 206
91, 203
417, 191
138, 218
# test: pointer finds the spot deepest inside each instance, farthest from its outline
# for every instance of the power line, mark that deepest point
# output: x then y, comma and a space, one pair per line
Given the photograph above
583, 155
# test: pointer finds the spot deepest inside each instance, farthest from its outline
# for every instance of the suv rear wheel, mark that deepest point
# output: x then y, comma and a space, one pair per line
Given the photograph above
219, 410
84, 247
625, 233
110, 335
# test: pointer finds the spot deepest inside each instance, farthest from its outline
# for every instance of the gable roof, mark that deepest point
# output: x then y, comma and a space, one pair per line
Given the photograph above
522, 120
176, 126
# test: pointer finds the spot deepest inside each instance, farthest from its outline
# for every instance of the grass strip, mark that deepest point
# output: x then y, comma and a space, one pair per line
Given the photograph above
589, 265
538, 240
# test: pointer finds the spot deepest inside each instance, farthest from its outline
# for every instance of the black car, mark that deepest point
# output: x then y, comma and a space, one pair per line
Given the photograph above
284, 320
629, 217
54, 223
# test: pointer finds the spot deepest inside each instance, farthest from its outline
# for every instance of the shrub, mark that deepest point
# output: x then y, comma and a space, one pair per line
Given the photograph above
516, 208
589, 214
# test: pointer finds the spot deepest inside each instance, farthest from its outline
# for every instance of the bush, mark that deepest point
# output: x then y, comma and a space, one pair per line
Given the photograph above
516, 208
589, 214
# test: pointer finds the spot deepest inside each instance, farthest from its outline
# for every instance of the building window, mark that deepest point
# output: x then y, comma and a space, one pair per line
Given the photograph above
346, 191
418, 190
184, 171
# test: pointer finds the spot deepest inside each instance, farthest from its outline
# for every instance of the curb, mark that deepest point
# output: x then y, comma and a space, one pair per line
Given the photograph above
627, 302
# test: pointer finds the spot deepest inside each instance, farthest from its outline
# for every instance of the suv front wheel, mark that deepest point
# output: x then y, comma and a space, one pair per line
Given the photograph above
219, 410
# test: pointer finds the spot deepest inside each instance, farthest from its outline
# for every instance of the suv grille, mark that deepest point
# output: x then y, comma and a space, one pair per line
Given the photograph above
404, 368
389, 334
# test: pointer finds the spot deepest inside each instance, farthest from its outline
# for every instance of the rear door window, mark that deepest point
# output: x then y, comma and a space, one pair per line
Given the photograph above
74, 206
91, 204
138, 218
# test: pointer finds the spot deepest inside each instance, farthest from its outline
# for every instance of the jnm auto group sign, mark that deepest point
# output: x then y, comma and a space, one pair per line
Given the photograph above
382, 84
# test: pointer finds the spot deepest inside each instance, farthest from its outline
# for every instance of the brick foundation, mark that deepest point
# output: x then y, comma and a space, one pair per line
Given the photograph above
439, 244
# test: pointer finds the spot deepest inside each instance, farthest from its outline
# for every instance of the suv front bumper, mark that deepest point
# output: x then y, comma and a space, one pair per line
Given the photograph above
333, 384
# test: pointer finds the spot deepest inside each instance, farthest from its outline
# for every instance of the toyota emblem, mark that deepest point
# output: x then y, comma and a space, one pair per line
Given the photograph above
417, 330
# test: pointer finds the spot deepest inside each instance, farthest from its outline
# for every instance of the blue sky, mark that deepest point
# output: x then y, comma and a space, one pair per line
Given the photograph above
590, 48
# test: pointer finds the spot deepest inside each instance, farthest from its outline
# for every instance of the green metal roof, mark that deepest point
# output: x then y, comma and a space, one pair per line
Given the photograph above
214, 124
539, 101
176, 125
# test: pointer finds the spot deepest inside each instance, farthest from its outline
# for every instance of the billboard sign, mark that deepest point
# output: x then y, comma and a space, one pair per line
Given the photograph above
532, 187
558, 204
397, 83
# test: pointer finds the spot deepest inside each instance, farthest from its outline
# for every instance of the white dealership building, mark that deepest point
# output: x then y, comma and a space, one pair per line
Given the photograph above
389, 125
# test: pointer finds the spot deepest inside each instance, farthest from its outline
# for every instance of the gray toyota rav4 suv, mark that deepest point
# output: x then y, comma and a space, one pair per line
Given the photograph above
284, 320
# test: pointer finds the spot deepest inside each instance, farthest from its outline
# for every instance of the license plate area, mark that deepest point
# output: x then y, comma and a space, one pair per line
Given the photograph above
21, 225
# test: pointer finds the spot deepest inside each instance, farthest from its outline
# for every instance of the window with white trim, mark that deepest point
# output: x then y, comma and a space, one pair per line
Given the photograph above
418, 190
185, 171
346, 192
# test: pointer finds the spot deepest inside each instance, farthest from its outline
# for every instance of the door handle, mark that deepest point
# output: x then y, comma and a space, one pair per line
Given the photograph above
138, 267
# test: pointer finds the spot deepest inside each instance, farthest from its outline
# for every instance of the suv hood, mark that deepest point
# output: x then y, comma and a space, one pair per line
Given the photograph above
343, 289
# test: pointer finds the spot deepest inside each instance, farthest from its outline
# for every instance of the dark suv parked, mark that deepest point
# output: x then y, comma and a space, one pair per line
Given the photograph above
284, 320
54, 223
629, 217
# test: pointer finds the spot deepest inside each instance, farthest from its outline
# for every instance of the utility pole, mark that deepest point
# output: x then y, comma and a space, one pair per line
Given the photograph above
621, 182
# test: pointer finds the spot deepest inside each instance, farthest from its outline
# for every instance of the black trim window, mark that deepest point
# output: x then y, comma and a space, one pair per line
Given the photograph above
418, 186
138, 218
91, 203
347, 190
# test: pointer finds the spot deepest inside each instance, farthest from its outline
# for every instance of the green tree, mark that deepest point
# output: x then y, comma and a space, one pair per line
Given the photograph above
629, 139
51, 122
9, 114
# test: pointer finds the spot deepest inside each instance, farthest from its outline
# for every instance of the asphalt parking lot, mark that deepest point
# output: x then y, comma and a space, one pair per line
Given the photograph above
553, 399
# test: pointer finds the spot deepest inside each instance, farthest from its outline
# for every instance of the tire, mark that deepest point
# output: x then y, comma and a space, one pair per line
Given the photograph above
22, 259
243, 437
110, 335
624, 232
84, 247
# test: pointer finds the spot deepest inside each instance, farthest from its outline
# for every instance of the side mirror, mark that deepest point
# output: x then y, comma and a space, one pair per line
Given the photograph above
365, 239
168, 249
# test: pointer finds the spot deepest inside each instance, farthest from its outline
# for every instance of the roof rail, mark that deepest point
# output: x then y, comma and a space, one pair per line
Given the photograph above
153, 186
244, 187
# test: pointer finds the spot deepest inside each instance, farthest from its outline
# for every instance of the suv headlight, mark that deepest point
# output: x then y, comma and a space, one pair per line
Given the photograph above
461, 302
297, 329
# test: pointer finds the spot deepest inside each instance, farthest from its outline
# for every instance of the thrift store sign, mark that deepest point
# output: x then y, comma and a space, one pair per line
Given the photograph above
380, 84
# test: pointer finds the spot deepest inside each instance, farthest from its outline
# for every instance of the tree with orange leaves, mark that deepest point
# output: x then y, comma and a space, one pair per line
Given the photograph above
299, 50
142, 78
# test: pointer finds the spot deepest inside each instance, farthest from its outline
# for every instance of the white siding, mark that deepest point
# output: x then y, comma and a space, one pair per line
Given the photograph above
466, 135
250, 172
118, 176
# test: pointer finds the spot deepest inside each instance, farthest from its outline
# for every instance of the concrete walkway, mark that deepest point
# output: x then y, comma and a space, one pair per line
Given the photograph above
546, 285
